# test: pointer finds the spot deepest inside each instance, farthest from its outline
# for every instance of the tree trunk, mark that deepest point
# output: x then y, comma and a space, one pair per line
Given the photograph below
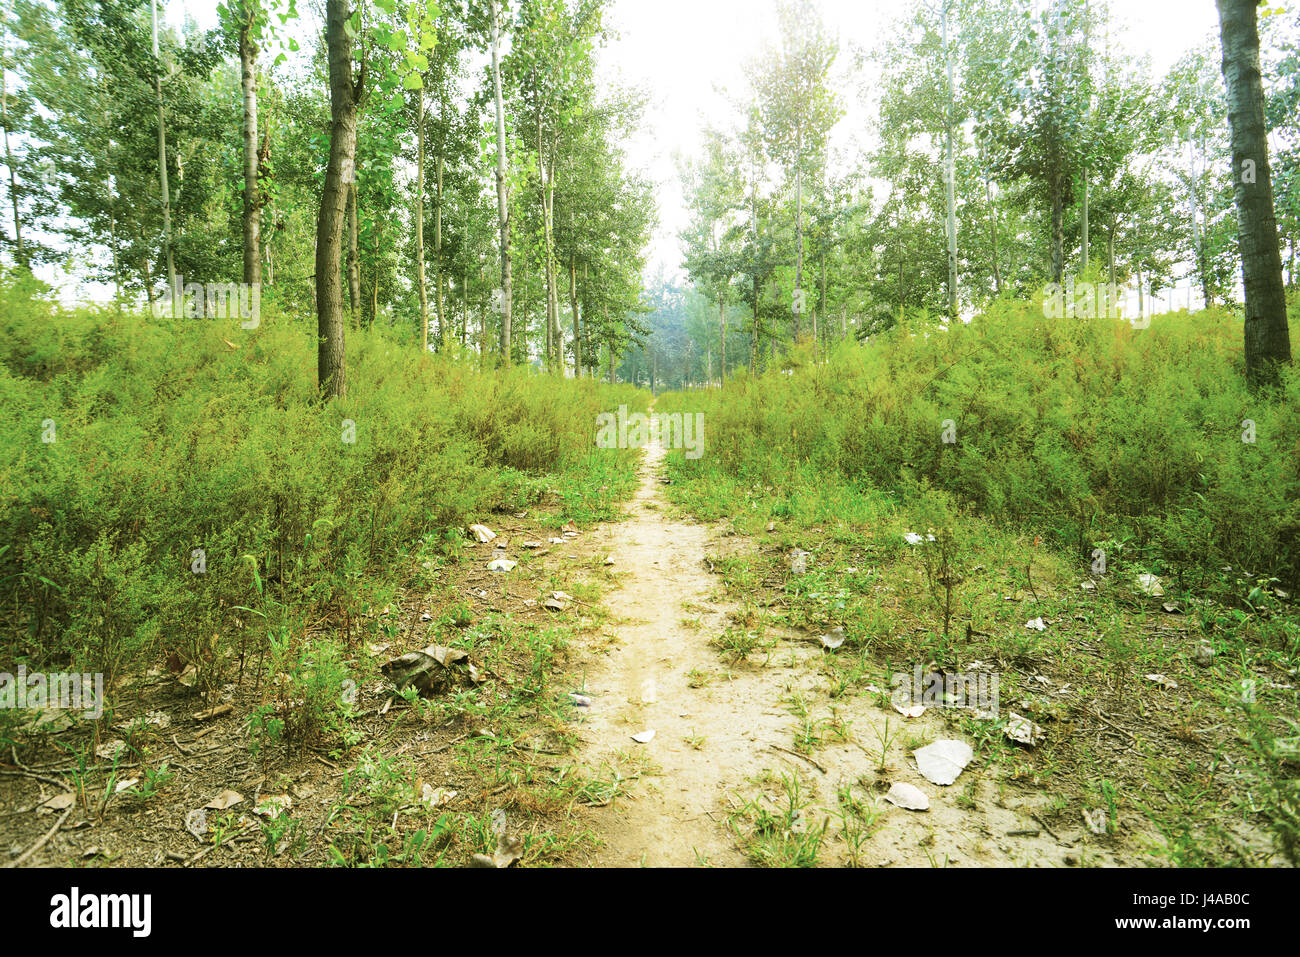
252, 200
722, 340
798, 240
1085, 240
577, 320
444, 324
340, 178
503, 203
1268, 342
1058, 224
20, 250
950, 176
354, 254
162, 156
419, 221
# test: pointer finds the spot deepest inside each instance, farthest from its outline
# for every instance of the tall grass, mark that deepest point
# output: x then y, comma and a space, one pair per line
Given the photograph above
1086, 432
175, 436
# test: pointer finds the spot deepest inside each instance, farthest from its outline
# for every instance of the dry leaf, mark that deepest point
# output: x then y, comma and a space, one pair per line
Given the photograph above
908, 796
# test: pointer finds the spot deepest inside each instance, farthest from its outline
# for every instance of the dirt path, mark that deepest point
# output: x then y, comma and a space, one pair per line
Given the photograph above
724, 735
709, 739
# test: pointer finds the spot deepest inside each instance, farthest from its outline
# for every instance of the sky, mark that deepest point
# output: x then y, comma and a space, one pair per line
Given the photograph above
689, 55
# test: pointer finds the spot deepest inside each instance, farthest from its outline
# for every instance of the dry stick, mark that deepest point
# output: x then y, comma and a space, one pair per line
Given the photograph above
777, 747
37, 777
1030, 578
43, 841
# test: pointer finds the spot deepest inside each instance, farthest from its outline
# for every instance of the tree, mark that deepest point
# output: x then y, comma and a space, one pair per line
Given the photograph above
798, 108
346, 91
1268, 341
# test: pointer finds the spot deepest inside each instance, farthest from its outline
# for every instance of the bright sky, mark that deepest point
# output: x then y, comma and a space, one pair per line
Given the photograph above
683, 52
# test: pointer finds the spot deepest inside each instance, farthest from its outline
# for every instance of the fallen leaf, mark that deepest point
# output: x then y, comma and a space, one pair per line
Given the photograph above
644, 737
59, 802
941, 762
482, 533
908, 796
501, 565
1162, 681
1150, 585
225, 799
834, 639
1036, 624
1023, 731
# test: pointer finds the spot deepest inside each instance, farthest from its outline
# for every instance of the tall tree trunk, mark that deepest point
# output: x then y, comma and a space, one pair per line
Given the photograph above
19, 248
444, 322
950, 174
577, 319
1268, 341
162, 155
1057, 187
503, 203
419, 221
993, 228
252, 200
340, 177
354, 254
1084, 225
798, 239
722, 339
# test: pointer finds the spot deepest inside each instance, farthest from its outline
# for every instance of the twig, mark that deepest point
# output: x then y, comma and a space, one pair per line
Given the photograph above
777, 747
38, 777
1030, 578
43, 841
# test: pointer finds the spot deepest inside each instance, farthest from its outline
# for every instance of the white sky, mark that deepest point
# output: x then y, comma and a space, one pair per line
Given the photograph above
684, 51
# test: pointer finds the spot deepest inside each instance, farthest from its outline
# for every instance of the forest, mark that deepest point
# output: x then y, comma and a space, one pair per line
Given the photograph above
492, 433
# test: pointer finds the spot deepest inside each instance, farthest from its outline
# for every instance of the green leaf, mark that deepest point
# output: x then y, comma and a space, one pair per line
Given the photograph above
413, 81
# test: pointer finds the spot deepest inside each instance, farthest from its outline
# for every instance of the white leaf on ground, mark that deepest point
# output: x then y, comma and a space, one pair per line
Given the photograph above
909, 711
579, 700
554, 604
908, 796
532, 544
912, 538
501, 565
123, 785
1162, 680
225, 799
556, 541
482, 533
1023, 731
1150, 585
1088, 586
1172, 608
941, 762
834, 639
644, 737
1036, 624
